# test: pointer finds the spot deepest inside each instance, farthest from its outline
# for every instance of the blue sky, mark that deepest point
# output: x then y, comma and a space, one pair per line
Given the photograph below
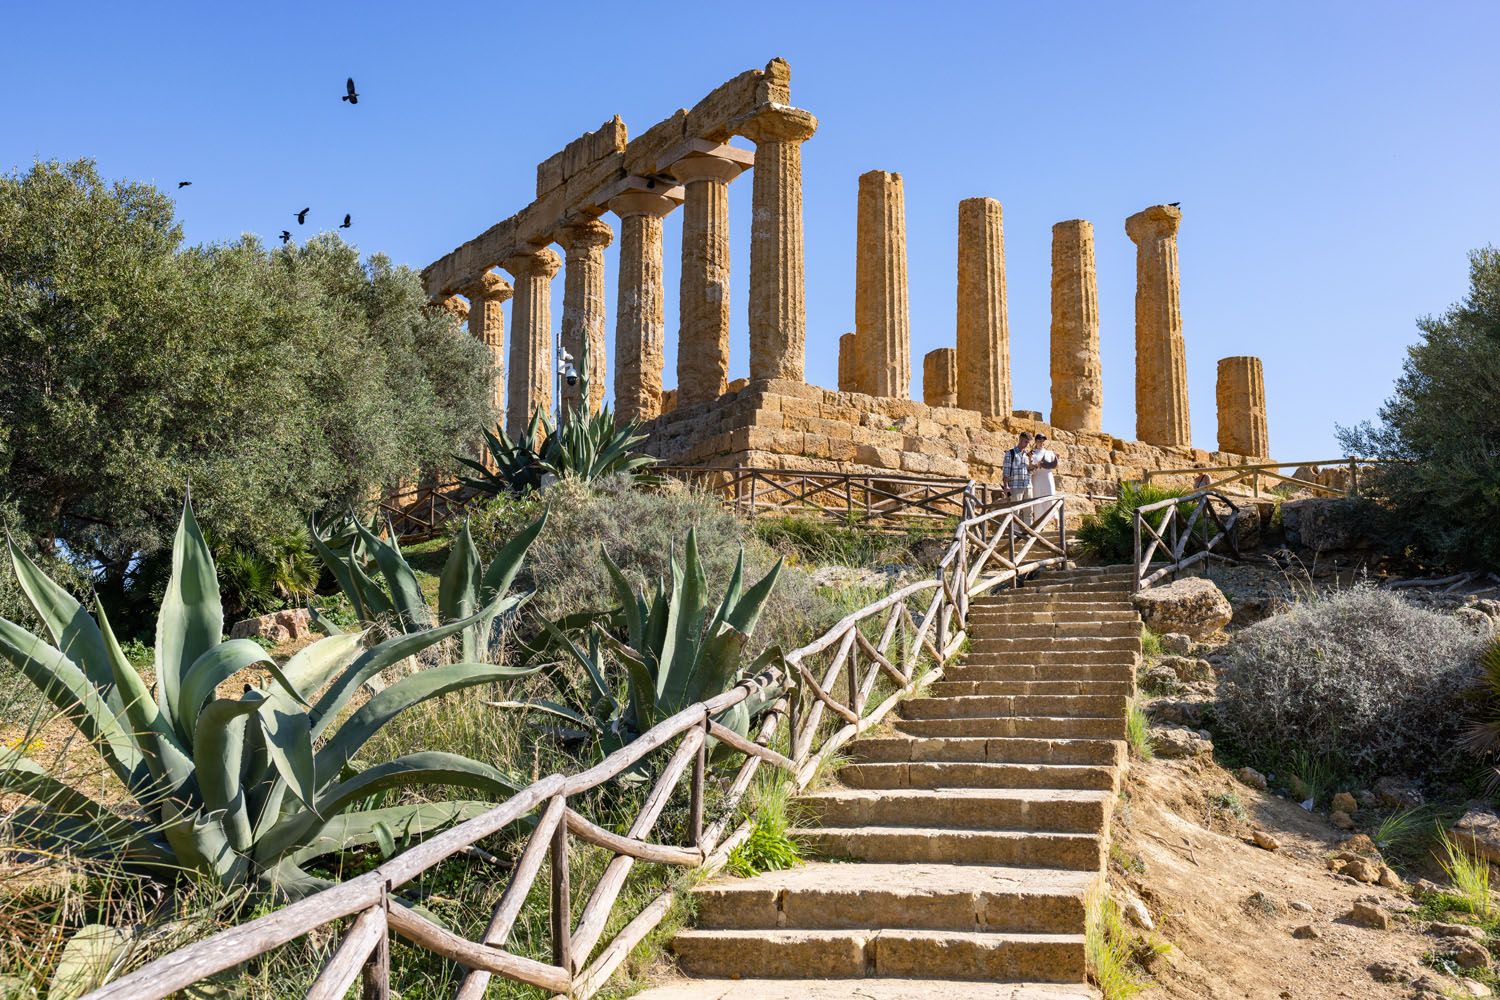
1334, 161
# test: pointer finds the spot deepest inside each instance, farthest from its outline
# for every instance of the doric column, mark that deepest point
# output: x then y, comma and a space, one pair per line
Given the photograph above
983, 333
1241, 393
1077, 376
640, 329
703, 309
940, 378
1161, 398
453, 306
778, 282
882, 320
529, 385
848, 363
583, 305
487, 325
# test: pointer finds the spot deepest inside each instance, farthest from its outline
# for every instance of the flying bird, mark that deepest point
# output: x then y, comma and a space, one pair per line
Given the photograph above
286, 236
183, 184
1175, 204
302, 216
352, 95
346, 223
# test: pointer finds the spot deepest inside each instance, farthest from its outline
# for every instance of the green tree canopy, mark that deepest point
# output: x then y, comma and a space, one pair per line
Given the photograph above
270, 382
1445, 417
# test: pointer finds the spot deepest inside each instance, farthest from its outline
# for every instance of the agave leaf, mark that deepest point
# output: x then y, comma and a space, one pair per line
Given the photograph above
289, 742
458, 588
229, 865
90, 959
406, 592
218, 748
66, 687
322, 622
643, 699
69, 625
633, 607
339, 566
215, 666
589, 661
547, 708
718, 660
374, 600
746, 613
21, 775
689, 604
731, 593
312, 666
191, 619
170, 762
502, 570
426, 768
355, 829
400, 696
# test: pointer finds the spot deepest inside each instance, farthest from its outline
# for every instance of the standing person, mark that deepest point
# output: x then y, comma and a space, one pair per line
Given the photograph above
1043, 464
1017, 469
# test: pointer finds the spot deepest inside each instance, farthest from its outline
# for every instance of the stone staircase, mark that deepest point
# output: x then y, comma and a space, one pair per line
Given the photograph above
959, 850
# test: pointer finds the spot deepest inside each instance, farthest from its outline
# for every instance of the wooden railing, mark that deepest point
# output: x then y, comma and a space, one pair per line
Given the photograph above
1187, 530
876, 499
419, 513
832, 689
1342, 473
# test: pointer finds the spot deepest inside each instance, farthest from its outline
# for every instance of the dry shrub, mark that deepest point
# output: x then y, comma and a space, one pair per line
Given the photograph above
1361, 677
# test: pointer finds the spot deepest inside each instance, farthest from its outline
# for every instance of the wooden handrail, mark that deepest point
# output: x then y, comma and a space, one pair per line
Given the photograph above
1175, 536
972, 565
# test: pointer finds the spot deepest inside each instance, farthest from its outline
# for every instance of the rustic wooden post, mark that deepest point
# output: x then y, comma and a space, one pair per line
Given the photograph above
1010, 530
1140, 571
1062, 528
562, 918
1353, 478
377, 972
853, 664
700, 770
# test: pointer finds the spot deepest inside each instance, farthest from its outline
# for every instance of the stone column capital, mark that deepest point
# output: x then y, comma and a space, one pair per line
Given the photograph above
1156, 222
776, 123
489, 286
701, 160
540, 263
452, 305
585, 235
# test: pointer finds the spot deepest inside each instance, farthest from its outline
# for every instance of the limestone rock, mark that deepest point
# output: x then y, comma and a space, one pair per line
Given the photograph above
1476, 621
1177, 742
1184, 711
1307, 932
1176, 644
277, 627
1469, 955
1324, 523
1341, 819
1456, 931
1192, 606
1300, 906
1187, 668
1264, 840
1345, 803
1392, 972
1251, 777
1398, 793
1365, 914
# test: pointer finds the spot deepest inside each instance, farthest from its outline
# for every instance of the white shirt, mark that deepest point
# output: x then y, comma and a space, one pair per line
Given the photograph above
1041, 479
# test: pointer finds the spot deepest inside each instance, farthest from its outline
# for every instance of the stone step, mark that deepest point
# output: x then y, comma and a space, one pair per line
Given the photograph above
967, 808
824, 896
865, 989
1028, 848
1085, 628
987, 774
859, 953
986, 640
1052, 605
896, 749
1038, 672
1025, 727
958, 688
990, 706
1002, 616
1045, 656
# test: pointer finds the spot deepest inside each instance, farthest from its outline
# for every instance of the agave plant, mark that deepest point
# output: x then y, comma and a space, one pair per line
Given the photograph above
245, 790
673, 654
588, 446
353, 552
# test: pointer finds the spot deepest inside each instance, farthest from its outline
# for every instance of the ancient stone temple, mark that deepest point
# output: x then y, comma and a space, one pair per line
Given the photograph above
605, 188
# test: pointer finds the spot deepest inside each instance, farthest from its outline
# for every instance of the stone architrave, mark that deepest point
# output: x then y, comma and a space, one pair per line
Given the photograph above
983, 351
532, 368
849, 363
778, 281
940, 379
882, 319
705, 171
640, 326
1241, 395
583, 244
1077, 375
1161, 397
487, 325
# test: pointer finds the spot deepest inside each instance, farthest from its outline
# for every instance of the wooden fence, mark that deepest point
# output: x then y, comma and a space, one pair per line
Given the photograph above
834, 688
1185, 530
1342, 475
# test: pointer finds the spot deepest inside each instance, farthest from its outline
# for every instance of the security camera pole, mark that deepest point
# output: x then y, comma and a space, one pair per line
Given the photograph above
565, 373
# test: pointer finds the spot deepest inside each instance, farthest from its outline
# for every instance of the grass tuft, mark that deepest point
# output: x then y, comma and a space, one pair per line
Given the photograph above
1469, 876
1108, 947
769, 848
1150, 643
1138, 733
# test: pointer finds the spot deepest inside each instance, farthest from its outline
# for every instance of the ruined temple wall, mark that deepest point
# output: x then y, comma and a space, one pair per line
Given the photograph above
775, 424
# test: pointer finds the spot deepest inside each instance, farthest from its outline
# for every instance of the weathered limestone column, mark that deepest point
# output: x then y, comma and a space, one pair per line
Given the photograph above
1077, 376
1241, 393
453, 306
529, 384
778, 281
583, 306
703, 309
849, 363
983, 350
882, 319
640, 326
487, 324
940, 378
1161, 397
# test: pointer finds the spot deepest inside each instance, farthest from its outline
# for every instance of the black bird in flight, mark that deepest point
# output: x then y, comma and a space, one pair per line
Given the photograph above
286, 236
1175, 204
183, 184
302, 216
352, 95
346, 223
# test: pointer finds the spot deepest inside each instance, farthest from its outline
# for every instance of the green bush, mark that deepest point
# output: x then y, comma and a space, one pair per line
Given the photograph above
1109, 532
818, 541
